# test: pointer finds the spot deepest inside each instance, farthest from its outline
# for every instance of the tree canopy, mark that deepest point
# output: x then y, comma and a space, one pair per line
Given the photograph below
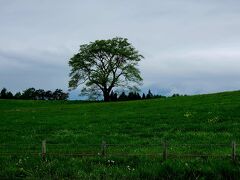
104, 64
34, 94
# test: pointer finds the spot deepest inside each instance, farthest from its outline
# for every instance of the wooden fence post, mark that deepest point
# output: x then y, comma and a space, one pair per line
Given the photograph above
165, 150
44, 150
103, 147
234, 151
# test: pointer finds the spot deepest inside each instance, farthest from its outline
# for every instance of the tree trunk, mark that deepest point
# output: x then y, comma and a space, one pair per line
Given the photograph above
106, 96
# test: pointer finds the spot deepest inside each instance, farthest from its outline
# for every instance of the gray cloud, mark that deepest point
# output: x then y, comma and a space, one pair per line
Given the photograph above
189, 46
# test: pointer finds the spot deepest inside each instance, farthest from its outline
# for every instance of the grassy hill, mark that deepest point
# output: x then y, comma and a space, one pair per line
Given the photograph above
133, 128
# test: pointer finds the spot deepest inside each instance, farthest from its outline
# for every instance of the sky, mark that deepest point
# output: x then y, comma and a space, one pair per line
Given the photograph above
190, 46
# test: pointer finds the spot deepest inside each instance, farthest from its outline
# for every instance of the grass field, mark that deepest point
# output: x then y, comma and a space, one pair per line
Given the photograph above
134, 129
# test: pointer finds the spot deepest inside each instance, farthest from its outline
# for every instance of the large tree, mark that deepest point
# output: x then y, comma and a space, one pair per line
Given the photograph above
103, 65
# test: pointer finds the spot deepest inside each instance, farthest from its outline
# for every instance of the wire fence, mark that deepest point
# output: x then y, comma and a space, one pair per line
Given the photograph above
164, 150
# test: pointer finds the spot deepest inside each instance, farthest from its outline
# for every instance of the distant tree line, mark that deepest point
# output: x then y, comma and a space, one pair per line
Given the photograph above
136, 96
34, 94
133, 96
58, 94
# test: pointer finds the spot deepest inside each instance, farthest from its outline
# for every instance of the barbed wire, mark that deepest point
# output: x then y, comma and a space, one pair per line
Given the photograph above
173, 155
109, 145
7, 151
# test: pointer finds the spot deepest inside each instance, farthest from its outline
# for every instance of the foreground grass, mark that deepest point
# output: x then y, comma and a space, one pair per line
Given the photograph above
203, 119
118, 168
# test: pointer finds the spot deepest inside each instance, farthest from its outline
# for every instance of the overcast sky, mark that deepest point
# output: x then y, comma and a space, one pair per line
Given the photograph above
190, 46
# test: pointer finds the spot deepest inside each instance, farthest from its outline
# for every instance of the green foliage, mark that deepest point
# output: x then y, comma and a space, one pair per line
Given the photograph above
4, 94
29, 93
202, 119
149, 94
33, 94
103, 65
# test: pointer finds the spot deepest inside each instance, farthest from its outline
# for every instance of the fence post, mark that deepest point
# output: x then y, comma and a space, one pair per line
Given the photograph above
44, 150
164, 150
234, 151
103, 147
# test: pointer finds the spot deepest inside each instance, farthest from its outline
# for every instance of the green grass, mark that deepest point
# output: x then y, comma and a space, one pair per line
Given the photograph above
201, 119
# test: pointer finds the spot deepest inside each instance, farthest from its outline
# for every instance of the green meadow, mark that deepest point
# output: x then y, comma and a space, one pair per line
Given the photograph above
134, 132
